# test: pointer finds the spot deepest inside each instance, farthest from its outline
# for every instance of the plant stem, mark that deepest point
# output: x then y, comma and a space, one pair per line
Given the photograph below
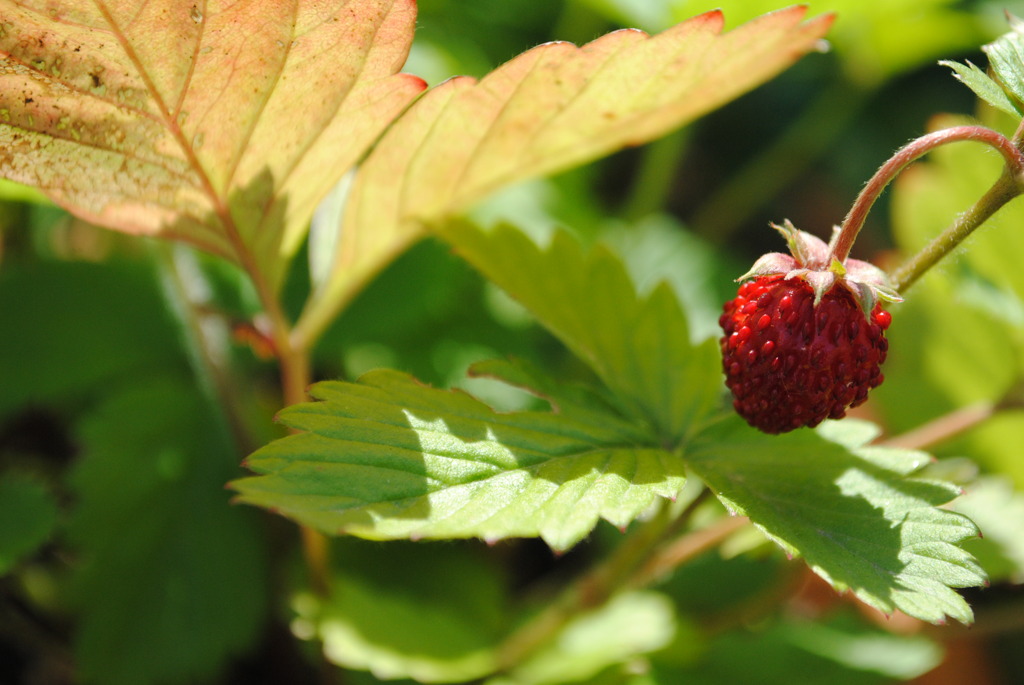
958, 421
186, 292
1005, 189
587, 592
685, 548
912, 151
295, 377
943, 428
641, 559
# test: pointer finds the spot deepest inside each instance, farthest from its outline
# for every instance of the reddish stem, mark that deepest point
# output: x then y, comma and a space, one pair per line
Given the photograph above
904, 156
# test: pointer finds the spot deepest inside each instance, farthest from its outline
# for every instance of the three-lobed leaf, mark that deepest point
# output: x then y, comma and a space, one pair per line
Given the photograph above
221, 124
550, 108
390, 458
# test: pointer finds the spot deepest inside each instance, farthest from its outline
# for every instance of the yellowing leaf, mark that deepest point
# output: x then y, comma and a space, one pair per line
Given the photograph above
550, 108
219, 123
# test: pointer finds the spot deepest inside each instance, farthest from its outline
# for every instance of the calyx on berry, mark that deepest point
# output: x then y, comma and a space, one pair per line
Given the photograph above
813, 260
804, 336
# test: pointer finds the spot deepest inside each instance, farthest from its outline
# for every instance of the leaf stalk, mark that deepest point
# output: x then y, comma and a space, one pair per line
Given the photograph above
1009, 186
1005, 189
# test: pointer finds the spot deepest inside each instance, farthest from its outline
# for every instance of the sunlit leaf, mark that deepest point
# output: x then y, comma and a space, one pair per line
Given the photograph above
550, 108
389, 458
639, 345
222, 124
394, 611
1006, 58
630, 625
849, 511
983, 86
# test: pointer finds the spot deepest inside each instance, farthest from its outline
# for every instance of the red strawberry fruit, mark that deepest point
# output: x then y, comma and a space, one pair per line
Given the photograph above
805, 336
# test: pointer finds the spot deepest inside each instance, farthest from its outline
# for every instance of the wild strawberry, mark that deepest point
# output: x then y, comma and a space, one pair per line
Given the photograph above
805, 338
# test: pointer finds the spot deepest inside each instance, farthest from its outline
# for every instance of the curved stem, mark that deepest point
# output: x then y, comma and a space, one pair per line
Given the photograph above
1005, 189
943, 428
912, 151
958, 421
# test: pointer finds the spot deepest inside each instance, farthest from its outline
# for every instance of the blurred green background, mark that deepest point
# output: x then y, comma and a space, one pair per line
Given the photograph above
124, 562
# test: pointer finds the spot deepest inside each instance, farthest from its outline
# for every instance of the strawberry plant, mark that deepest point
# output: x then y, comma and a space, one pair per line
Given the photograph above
505, 450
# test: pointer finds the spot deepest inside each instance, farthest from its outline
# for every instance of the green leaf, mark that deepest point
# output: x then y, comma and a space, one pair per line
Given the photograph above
631, 624
849, 511
551, 108
211, 123
984, 87
639, 345
396, 612
1006, 59
388, 458
28, 515
173, 580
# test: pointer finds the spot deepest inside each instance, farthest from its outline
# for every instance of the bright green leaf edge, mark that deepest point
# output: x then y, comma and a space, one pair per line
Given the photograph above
390, 458
1006, 58
850, 510
637, 343
983, 86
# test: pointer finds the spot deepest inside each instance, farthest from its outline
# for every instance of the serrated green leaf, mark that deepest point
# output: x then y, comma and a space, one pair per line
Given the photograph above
639, 345
389, 458
157, 539
1006, 59
983, 86
396, 612
860, 526
27, 517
